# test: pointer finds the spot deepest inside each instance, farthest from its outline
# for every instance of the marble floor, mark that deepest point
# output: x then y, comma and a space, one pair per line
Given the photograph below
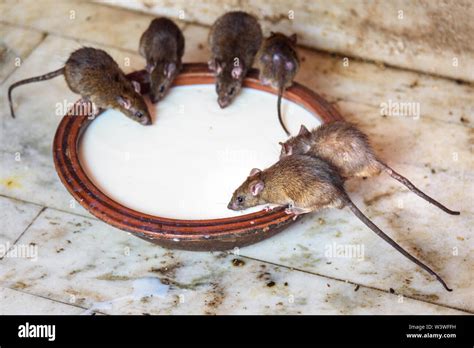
63, 260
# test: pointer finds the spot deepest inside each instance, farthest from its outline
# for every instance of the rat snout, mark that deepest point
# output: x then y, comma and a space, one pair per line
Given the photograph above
146, 121
223, 102
232, 206
155, 97
158, 91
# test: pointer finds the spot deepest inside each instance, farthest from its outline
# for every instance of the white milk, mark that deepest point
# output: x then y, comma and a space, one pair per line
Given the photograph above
189, 162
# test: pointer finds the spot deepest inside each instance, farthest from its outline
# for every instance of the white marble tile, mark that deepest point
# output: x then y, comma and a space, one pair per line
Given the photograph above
418, 142
204, 12
15, 45
80, 20
92, 265
34, 179
197, 48
15, 216
367, 83
15, 302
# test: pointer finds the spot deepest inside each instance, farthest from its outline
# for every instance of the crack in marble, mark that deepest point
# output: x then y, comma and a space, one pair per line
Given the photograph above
24, 231
92, 217
46, 298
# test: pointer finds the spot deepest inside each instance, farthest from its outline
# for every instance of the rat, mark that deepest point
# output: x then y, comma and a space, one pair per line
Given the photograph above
235, 39
162, 45
306, 184
94, 75
348, 149
278, 62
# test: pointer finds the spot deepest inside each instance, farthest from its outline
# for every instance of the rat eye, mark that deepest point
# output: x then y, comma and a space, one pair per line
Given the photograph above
240, 199
139, 114
232, 90
162, 88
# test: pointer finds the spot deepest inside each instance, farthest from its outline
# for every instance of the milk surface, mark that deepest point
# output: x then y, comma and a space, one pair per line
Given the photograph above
189, 162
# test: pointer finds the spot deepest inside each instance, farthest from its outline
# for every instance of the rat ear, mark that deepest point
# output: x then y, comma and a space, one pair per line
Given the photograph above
136, 86
237, 72
304, 130
254, 171
257, 187
150, 67
215, 65
170, 69
211, 64
293, 38
124, 102
218, 68
287, 148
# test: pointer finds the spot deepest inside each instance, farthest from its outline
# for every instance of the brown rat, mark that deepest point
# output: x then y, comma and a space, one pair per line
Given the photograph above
305, 184
235, 39
162, 45
278, 62
94, 75
344, 146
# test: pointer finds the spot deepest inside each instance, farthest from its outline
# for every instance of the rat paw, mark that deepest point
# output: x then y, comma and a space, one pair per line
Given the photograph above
291, 210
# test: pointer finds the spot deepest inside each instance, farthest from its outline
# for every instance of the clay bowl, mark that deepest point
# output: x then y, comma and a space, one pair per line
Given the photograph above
199, 235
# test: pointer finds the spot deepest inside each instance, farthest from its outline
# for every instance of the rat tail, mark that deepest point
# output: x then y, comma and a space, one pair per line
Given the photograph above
414, 189
32, 79
280, 118
281, 73
390, 241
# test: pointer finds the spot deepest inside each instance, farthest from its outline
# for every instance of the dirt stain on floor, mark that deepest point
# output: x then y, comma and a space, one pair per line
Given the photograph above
11, 182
